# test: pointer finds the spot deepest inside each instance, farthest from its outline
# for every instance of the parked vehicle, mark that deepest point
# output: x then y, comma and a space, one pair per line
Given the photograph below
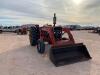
97, 30
0, 29
73, 27
22, 30
9, 28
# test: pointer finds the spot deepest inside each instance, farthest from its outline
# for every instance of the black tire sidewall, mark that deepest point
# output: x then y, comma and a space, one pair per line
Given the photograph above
41, 47
33, 36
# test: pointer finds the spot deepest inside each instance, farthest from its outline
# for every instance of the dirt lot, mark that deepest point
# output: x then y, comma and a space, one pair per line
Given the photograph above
17, 57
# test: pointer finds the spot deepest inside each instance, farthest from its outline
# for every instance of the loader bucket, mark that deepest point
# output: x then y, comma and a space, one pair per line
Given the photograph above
69, 54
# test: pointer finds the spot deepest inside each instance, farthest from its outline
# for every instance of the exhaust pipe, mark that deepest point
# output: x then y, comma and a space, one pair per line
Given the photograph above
54, 20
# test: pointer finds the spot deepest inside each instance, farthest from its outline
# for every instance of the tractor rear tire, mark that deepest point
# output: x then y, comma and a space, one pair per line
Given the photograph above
33, 42
41, 47
33, 36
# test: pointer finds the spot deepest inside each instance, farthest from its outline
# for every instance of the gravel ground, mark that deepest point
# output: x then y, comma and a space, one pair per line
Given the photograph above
17, 57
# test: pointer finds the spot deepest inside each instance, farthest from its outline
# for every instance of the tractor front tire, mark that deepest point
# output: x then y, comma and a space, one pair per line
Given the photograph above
41, 47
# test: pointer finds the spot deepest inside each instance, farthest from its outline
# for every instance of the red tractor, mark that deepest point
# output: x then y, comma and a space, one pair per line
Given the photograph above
22, 30
63, 50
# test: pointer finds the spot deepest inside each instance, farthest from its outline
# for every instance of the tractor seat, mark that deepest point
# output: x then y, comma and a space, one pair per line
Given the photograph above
58, 33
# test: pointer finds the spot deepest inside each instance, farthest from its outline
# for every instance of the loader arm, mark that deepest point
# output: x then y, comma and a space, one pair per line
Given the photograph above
69, 34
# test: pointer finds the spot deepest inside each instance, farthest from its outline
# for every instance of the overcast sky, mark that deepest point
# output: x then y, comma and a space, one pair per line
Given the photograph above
41, 11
